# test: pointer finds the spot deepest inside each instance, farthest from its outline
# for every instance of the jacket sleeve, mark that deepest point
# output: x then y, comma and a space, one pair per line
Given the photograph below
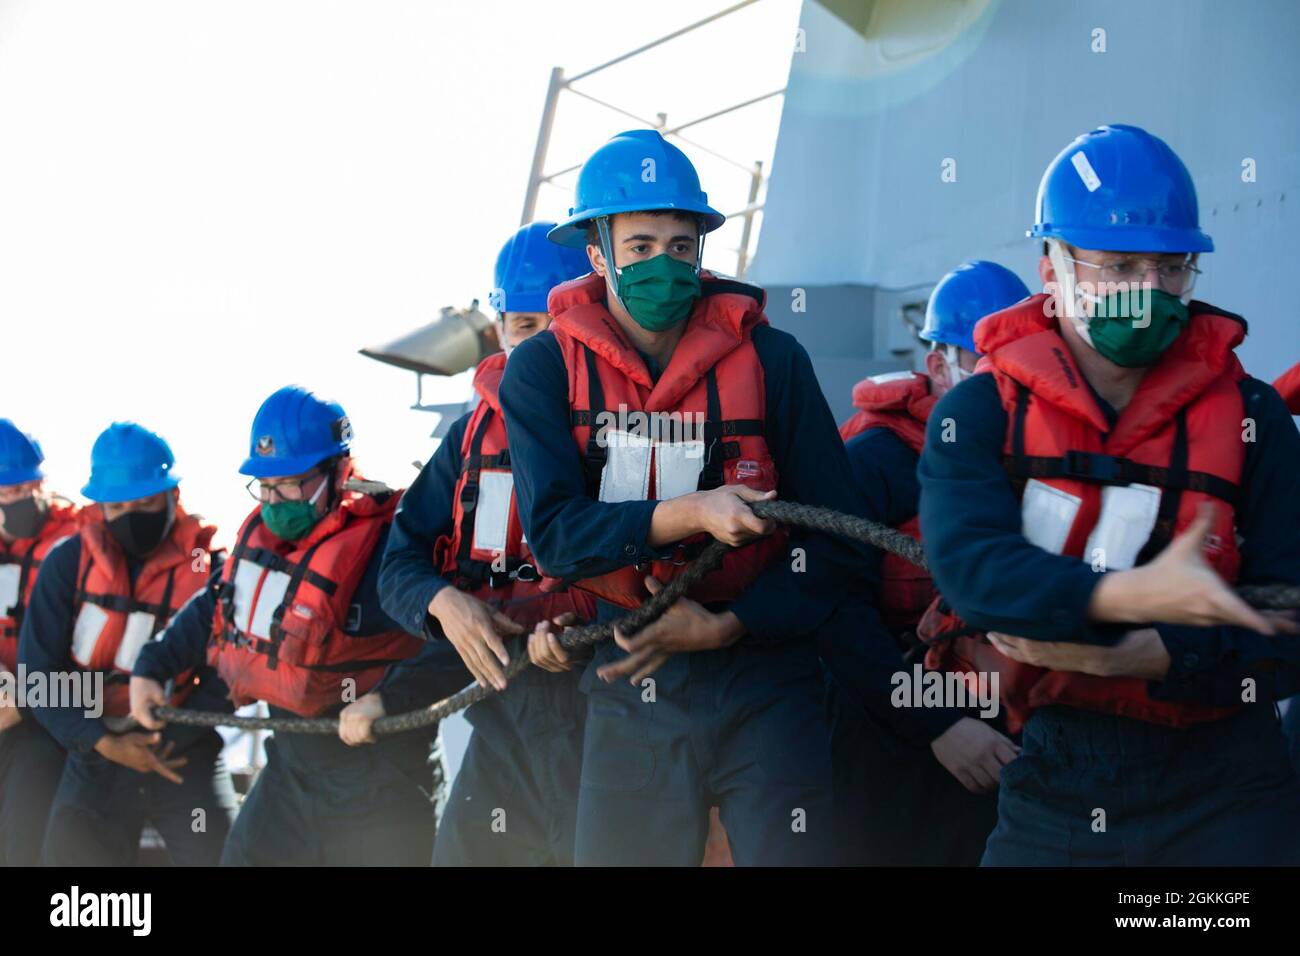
970, 522
572, 535
432, 674
408, 579
45, 647
1211, 665
183, 643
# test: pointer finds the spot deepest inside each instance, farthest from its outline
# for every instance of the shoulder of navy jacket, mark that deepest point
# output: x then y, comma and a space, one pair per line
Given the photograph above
1197, 307
734, 287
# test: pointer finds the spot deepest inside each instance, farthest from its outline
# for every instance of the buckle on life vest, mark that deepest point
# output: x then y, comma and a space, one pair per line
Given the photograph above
1090, 466
503, 579
469, 496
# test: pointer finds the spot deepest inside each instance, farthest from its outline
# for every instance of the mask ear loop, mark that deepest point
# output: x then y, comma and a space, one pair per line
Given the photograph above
952, 355
1069, 294
607, 250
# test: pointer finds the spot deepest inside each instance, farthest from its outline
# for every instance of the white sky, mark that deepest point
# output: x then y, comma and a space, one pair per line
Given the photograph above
203, 201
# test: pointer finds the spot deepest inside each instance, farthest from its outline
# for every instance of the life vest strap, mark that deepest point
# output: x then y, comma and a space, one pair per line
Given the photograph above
472, 575
124, 604
593, 461
271, 649
274, 562
469, 490
1113, 469
28, 564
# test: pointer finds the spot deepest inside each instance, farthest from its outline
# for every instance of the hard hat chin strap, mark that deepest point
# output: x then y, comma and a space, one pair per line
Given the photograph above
1068, 294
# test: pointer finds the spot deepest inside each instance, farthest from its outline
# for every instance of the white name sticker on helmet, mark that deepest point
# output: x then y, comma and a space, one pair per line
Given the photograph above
1086, 172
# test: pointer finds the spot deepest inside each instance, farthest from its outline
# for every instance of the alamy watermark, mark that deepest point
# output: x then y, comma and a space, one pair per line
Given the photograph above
82, 690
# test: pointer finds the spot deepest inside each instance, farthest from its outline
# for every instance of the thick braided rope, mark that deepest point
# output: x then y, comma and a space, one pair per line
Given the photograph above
1267, 597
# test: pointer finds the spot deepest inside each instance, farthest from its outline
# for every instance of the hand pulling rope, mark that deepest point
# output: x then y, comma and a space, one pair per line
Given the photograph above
1270, 597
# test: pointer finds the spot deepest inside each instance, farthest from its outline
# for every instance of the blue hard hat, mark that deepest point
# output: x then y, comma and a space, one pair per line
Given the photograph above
964, 296
20, 455
1118, 188
294, 431
528, 267
635, 171
128, 461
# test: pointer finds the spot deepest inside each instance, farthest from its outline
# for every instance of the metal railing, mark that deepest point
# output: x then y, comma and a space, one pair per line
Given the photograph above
559, 83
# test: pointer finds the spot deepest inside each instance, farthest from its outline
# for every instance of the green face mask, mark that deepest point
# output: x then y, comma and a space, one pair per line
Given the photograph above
290, 520
1133, 328
658, 293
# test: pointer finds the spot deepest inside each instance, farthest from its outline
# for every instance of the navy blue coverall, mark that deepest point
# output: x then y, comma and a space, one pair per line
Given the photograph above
514, 800
319, 802
100, 807
905, 808
1219, 793
742, 727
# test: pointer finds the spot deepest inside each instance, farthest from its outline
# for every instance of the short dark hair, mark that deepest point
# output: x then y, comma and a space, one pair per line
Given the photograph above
593, 235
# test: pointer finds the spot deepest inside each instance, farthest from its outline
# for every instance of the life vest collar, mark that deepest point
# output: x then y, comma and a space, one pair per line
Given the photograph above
1025, 344
187, 533
721, 319
487, 379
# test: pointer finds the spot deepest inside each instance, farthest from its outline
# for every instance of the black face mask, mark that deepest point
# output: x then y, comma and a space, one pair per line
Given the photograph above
23, 518
140, 532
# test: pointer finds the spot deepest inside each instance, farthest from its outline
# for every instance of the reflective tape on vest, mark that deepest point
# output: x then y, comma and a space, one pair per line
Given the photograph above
492, 511
1123, 527
137, 632
257, 595
10, 577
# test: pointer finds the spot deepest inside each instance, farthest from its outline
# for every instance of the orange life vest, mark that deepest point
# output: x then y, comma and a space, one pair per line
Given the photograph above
1113, 496
278, 634
114, 618
901, 402
707, 430
486, 554
1288, 386
20, 562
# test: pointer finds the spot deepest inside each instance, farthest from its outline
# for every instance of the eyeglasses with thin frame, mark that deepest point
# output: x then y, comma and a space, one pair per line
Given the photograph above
1174, 276
292, 490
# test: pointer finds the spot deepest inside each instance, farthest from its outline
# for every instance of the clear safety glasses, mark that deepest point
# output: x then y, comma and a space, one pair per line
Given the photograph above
1175, 277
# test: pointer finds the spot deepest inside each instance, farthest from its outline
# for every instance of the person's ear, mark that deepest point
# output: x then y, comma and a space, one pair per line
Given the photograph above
936, 366
596, 258
1046, 271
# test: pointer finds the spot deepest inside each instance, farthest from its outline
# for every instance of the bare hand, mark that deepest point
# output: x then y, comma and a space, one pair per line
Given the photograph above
1140, 653
358, 719
544, 647
141, 753
475, 630
146, 694
974, 753
1178, 587
686, 626
725, 514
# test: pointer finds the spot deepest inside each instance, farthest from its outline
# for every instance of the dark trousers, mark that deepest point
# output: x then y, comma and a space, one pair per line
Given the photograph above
31, 765
514, 801
319, 802
101, 808
741, 728
1098, 790
896, 803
